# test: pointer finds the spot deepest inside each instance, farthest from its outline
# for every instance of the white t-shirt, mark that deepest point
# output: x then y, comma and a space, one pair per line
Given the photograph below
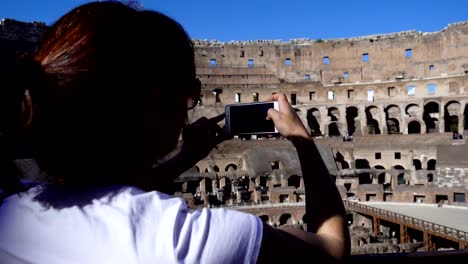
125, 225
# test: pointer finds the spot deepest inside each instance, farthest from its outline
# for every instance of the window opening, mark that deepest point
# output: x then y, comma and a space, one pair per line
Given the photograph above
237, 98
408, 53
326, 60
365, 57
213, 63
411, 90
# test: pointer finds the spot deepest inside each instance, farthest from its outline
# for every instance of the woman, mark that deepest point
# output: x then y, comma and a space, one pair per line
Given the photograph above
110, 99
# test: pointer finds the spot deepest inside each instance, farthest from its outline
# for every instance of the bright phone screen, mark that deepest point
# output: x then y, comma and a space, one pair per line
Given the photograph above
251, 119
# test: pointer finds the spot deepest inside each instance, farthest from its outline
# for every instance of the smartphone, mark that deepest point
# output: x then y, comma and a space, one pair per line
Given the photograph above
250, 118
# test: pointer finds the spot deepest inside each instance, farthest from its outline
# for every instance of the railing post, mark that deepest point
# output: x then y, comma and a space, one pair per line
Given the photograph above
403, 234
376, 225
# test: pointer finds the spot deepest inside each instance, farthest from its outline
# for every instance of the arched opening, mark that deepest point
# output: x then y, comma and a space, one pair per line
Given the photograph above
430, 177
401, 174
451, 116
231, 167
417, 164
192, 186
364, 177
372, 123
305, 220
206, 184
351, 114
243, 183
380, 175
393, 126
412, 110
431, 164
341, 161
216, 93
431, 117
313, 118
414, 127
392, 116
285, 219
197, 168
333, 130
465, 118
265, 219
215, 168
294, 181
333, 113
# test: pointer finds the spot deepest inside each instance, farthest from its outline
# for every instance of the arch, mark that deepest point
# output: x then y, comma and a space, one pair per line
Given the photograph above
430, 177
417, 164
206, 184
197, 169
265, 218
372, 123
226, 185
305, 219
414, 127
216, 168
313, 119
340, 159
294, 181
393, 126
333, 130
380, 176
231, 167
244, 182
285, 219
401, 175
412, 110
431, 117
362, 164
465, 118
192, 186
451, 111
351, 114
392, 119
431, 164
263, 181
364, 177
334, 113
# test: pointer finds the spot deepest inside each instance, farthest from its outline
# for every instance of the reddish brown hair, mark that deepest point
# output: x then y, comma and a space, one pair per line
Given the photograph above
103, 61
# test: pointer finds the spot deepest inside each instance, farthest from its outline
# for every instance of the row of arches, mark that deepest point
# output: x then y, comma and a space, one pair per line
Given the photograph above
283, 219
231, 167
419, 119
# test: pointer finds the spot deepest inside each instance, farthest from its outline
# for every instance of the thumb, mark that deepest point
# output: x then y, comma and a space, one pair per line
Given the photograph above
272, 114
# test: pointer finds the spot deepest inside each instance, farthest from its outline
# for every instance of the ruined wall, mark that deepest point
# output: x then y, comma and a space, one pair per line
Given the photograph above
383, 57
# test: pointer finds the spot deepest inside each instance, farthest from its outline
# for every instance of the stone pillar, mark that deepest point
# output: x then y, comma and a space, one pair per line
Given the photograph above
362, 114
383, 123
342, 120
441, 117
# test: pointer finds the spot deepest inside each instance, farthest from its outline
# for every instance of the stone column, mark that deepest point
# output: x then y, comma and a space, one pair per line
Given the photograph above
441, 117
383, 123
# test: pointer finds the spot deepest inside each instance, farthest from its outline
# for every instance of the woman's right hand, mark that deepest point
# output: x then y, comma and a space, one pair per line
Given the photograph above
286, 120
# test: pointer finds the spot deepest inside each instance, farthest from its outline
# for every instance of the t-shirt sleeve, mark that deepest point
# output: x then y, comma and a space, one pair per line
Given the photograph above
217, 236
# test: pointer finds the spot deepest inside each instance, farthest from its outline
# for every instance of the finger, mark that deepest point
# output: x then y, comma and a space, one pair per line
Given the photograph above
272, 114
217, 118
200, 120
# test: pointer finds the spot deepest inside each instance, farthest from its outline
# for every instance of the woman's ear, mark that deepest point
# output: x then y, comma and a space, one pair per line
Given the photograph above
27, 109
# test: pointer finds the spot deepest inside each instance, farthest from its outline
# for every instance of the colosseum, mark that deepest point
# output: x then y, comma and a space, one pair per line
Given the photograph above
388, 113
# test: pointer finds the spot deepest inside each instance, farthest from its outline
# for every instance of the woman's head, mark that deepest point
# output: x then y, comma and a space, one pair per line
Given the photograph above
118, 85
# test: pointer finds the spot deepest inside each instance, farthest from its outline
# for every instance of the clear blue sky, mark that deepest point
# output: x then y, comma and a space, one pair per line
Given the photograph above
271, 19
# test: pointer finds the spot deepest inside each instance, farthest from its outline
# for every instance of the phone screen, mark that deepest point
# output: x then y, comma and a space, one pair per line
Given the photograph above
250, 119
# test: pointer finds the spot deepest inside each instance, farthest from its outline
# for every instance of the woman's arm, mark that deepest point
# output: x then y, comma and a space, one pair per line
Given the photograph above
327, 229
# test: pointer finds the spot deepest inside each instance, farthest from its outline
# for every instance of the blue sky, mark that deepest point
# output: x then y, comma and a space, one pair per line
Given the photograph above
271, 19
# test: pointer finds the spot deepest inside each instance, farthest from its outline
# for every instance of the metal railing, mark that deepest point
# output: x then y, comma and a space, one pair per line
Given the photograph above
437, 229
